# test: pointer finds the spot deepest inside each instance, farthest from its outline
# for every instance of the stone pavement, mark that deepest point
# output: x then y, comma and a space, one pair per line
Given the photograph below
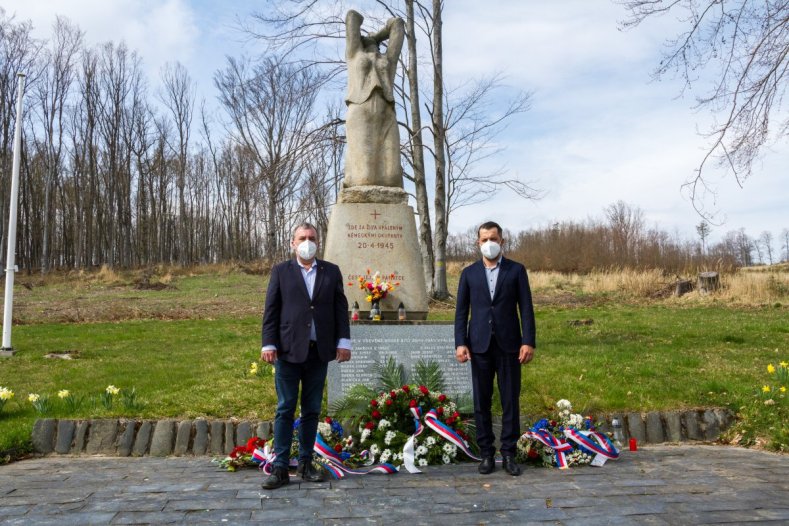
656, 485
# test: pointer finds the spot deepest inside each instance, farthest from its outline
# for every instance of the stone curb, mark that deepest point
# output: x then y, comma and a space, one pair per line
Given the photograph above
201, 437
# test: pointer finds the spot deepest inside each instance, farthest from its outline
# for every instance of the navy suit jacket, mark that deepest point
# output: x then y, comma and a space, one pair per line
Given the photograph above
289, 311
499, 315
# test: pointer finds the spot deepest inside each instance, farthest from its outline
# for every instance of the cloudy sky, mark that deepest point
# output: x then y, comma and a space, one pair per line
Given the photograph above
599, 129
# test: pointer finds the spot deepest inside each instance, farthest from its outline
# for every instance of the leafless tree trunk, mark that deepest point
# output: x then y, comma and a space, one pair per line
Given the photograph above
440, 289
19, 53
416, 149
178, 97
270, 108
766, 241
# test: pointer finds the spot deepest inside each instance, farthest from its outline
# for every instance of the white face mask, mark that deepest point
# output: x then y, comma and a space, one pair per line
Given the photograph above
306, 249
490, 249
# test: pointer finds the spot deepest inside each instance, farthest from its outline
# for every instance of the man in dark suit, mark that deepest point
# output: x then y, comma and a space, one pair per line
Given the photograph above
305, 326
499, 337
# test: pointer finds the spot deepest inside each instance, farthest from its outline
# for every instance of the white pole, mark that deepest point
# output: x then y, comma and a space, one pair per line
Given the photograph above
10, 260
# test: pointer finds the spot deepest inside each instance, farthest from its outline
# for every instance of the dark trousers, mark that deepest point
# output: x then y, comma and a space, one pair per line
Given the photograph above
507, 370
311, 374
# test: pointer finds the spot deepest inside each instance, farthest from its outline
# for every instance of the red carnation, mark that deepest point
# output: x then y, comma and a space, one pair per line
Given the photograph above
376, 414
369, 425
369, 286
424, 390
442, 398
552, 423
455, 415
532, 453
393, 395
406, 389
374, 403
451, 420
327, 420
338, 448
238, 450
388, 403
412, 403
440, 410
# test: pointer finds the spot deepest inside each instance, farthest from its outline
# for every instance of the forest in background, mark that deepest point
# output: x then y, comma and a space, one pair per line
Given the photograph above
126, 171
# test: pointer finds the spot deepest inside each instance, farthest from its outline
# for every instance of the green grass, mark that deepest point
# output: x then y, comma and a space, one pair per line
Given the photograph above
632, 357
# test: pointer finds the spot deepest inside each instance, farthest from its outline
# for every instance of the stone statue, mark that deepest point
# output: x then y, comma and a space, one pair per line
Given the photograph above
373, 151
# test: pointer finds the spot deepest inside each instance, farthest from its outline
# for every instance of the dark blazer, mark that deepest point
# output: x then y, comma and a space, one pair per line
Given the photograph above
289, 312
499, 315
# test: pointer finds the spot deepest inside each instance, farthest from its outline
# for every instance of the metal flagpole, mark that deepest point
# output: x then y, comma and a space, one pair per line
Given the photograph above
10, 260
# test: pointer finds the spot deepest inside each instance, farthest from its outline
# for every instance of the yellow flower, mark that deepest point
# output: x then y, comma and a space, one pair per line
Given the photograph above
784, 364
253, 368
369, 298
63, 393
273, 370
111, 389
770, 368
6, 394
766, 389
782, 389
32, 398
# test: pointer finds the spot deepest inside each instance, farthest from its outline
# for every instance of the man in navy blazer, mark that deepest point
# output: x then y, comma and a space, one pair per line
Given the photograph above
498, 338
305, 326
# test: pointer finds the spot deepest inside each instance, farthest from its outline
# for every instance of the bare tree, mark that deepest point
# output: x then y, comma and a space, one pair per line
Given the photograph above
703, 230
785, 244
270, 109
626, 223
766, 242
19, 53
415, 146
748, 43
178, 96
52, 93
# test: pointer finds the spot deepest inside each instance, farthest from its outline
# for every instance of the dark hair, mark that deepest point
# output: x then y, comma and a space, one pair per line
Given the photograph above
306, 226
487, 226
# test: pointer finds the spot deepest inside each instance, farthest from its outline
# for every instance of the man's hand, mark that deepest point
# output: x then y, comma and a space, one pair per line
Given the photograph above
526, 354
343, 355
462, 354
268, 356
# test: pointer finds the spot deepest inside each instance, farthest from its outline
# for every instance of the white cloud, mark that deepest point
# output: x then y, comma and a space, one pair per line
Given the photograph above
160, 31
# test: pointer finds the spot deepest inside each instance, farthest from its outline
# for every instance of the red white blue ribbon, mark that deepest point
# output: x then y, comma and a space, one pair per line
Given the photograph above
432, 421
441, 429
594, 442
409, 456
560, 447
334, 464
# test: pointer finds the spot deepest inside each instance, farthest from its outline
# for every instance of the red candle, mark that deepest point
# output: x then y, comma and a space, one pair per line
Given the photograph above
633, 445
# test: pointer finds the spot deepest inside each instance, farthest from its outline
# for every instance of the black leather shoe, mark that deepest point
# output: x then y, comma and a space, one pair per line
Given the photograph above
279, 477
510, 466
487, 466
309, 472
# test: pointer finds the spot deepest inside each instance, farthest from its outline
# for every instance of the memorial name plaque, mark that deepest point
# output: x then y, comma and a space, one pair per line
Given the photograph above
407, 344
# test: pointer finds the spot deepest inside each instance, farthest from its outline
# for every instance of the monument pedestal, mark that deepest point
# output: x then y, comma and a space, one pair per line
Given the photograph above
380, 237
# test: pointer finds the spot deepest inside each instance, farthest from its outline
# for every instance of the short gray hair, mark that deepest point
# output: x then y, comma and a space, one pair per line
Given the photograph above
304, 226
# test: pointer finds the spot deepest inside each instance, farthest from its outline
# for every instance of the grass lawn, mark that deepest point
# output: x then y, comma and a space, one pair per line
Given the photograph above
630, 356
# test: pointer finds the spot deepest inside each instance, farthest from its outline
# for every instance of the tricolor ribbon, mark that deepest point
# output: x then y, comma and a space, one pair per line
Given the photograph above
593, 442
336, 467
408, 448
432, 421
559, 447
444, 431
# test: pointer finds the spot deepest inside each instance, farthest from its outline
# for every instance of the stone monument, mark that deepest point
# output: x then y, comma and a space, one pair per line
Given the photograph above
371, 225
